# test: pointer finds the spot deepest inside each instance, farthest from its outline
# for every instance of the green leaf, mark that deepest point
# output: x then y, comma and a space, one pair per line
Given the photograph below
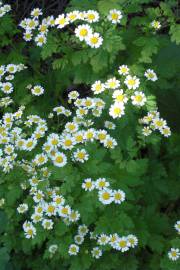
149, 46
175, 33
50, 47
4, 258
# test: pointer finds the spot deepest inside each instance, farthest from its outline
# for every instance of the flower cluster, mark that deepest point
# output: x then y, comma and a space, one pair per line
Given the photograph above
37, 29
4, 9
174, 253
123, 90
120, 243
14, 137
152, 122
7, 74
114, 241
78, 239
46, 204
84, 31
105, 194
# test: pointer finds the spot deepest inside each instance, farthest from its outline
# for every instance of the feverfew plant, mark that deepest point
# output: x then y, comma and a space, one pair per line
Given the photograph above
87, 178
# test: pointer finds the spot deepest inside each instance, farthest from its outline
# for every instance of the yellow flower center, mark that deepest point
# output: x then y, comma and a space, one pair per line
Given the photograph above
120, 98
81, 155
102, 136
32, 24
112, 84
62, 21
88, 184
83, 32
29, 144
54, 141
109, 144
138, 98
59, 159
131, 82
114, 16
79, 138
123, 70
117, 110
89, 135
91, 16
68, 143
122, 243
30, 232
94, 40
117, 196
106, 196
65, 211
7, 88
73, 249
174, 253
98, 87
41, 40
51, 208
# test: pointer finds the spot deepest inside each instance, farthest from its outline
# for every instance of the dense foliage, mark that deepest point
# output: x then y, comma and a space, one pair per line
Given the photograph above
89, 143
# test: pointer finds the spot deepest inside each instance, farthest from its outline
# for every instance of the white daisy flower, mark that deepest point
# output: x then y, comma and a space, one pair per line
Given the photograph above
36, 12
22, 208
83, 230
150, 75
177, 226
105, 196
40, 39
118, 196
97, 87
6, 87
78, 239
146, 131
11, 68
88, 184
94, 40
114, 16
80, 155
174, 254
133, 241
64, 211
92, 16
155, 24
116, 110
119, 96
61, 21
47, 224
132, 82
138, 99
83, 31
96, 252
52, 249
101, 183
122, 244
123, 70
103, 239
59, 159
30, 232
112, 83
109, 125
73, 249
